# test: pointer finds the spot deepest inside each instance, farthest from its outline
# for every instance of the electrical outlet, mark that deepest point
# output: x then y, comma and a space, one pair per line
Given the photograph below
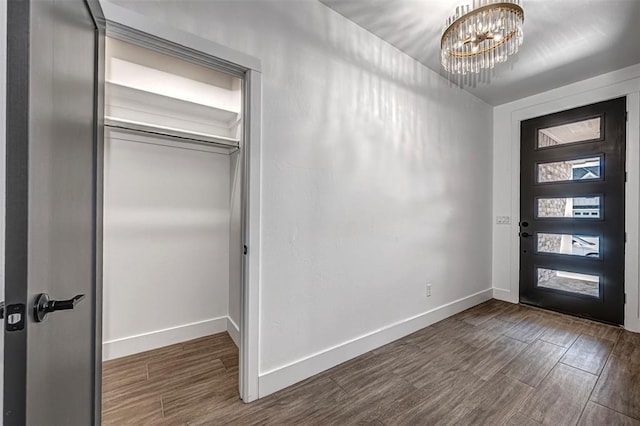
428, 290
503, 220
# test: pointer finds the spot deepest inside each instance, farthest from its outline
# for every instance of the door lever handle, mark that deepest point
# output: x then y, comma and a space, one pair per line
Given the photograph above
525, 234
43, 305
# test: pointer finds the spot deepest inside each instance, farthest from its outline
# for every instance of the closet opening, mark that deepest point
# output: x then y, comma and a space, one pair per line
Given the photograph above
172, 236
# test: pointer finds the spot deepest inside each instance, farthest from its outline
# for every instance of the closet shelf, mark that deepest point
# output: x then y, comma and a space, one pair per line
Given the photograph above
135, 101
184, 135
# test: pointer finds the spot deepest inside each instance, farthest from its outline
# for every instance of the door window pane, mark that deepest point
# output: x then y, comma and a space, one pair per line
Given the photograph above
573, 245
570, 170
572, 282
569, 207
579, 131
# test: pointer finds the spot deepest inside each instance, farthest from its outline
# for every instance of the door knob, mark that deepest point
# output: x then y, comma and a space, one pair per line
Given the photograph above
525, 234
43, 305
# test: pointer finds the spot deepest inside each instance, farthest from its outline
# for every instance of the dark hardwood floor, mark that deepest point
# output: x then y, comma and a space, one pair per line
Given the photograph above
494, 364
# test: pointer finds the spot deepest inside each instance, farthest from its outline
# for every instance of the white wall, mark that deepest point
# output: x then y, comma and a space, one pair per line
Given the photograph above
376, 179
166, 243
506, 175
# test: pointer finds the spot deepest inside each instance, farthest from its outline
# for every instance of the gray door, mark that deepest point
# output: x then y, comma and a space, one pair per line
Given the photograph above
51, 373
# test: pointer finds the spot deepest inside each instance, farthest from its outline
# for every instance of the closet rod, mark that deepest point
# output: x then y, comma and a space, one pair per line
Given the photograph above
200, 138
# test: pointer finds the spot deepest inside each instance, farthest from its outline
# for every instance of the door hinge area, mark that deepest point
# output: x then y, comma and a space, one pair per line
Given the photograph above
626, 116
625, 176
625, 298
625, 237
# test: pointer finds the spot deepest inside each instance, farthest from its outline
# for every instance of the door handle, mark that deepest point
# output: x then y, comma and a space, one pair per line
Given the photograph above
43, 305
525, 234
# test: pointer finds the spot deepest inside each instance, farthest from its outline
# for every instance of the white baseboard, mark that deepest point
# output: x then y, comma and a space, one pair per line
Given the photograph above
159, 338
504, 295
281, 377
234, 331
632, 325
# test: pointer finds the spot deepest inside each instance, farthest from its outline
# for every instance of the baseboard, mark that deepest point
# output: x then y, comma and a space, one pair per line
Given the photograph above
504, 295
234, 331
281, 377
157, 339
632, 326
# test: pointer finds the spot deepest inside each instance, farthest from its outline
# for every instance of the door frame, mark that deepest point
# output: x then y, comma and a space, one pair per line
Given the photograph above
134, 28
507, 130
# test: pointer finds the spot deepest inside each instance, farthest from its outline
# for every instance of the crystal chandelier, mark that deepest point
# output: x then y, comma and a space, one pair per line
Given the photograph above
480, 35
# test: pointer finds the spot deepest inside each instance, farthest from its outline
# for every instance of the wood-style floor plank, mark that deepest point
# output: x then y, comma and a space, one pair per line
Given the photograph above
619, 386
562, 331
561, 397
484, 312
142, 411
441, 380
519, 419
602, 331
588, 353
597, 415
150, 387
512, 313
492, 358
534, 363
494, 364
628, 347
529, 328
494, 401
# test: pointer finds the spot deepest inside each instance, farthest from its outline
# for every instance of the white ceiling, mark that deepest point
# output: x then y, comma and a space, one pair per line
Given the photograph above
564, 40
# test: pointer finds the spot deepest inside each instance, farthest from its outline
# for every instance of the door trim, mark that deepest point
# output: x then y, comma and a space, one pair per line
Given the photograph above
98, 17
507, 138
134, 28
16, 160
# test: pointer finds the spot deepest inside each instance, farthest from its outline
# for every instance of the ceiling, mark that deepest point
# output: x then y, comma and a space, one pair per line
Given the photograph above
564, 40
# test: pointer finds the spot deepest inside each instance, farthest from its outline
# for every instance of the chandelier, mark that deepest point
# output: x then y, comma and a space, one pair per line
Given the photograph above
481, 35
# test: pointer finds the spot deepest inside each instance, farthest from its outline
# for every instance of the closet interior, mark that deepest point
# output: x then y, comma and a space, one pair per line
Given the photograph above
172, 224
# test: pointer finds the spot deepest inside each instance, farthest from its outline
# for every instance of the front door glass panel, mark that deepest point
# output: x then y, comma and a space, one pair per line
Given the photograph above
570, 170
569, 207
567, 244
577, 131
572, 282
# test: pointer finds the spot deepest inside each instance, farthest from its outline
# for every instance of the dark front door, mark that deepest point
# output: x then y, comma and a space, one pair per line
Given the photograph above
572, 211
52, 156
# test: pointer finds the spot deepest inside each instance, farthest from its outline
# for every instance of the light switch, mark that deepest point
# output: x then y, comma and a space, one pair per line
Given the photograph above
503, 220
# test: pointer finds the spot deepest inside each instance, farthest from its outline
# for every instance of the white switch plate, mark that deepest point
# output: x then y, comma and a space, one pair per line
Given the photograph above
428, 290
503, 220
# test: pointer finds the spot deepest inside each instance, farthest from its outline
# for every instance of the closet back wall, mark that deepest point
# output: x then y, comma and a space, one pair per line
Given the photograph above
166, 243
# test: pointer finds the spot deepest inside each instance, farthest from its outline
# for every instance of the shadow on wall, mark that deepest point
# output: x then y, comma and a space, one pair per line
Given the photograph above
397, 120
369, 159
402, 114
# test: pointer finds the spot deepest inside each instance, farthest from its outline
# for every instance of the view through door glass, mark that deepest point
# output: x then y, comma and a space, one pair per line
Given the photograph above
572, 211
